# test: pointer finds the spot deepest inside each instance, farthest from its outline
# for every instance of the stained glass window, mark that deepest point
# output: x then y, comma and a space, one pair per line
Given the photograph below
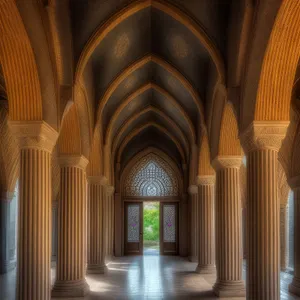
133, 226
169, 212
151, 177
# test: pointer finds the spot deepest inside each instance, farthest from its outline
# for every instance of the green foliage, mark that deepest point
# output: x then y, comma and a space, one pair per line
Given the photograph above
151, 222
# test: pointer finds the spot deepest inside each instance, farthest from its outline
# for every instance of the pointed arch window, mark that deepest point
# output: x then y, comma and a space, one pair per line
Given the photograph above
151, 177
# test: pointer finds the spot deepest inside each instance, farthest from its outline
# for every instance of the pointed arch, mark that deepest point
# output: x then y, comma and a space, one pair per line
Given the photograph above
149, 152
204, 161
163, 6
142, 128
140, 91
19, 66
139, 64
158, 112
229, 143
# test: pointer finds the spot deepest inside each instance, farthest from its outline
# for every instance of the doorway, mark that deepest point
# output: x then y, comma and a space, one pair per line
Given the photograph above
151, 226
151, 236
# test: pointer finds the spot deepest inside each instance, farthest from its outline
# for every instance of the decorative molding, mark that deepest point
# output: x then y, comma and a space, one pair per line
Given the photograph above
110, 190
193, 190
34, 134
264, 135
99, 180
76, 161
223, 162
206, 180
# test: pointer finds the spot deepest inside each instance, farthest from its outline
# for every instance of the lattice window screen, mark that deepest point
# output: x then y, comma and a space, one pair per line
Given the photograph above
151, 177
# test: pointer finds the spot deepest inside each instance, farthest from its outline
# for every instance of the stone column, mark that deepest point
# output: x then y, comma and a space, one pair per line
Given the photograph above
229, 256
5, 233
96, 253
72, 208
284, 237
261, 141
206, 234
36, 141
54, 231
295, 285
110, 221
193, 192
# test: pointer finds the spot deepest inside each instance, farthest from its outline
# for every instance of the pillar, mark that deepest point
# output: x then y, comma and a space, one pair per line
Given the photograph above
262, 141
6, 264
294, 287
284, 237
72, 209
193, 192
36, 141
206, 233
54, 231
228, 228
96, 253
109, 222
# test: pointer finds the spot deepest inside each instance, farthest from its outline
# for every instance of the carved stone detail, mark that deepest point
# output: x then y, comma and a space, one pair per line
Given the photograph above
222, 162
34, 134
264, 135
110, 190
206, 180
78, 161
193, 190
101, 180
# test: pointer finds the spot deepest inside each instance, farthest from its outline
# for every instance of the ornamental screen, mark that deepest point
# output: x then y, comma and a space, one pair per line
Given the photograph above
151, 177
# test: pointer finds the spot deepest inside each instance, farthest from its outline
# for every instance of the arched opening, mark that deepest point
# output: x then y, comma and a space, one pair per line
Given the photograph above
150, 192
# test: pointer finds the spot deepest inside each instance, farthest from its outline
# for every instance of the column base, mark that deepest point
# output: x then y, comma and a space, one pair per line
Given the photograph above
294, 287
96, 269
193, 258
206, 269
229, 289
70, 289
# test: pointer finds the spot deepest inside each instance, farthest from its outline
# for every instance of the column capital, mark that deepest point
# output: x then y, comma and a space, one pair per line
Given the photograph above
110, 190
78, 161
294, 182
34, 134
223, 162
97, 180
206, 180
193, 189
264, 135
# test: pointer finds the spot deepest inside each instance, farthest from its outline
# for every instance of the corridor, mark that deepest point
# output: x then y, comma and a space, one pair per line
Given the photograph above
147, 277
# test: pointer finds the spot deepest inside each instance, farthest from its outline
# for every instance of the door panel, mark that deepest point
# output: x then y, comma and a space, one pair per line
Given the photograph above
134, 228
169, 228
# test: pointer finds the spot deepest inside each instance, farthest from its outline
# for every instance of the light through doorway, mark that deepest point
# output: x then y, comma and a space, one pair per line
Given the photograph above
151, 228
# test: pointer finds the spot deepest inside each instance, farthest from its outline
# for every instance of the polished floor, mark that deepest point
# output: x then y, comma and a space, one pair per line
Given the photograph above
146, 277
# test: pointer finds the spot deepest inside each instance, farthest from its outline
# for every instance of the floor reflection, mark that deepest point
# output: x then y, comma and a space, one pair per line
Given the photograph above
146, 277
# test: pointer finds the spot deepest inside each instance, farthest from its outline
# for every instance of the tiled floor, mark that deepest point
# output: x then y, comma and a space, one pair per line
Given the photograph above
146, 277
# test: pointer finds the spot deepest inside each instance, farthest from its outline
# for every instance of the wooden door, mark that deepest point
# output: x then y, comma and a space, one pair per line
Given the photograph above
133, 228
168, 228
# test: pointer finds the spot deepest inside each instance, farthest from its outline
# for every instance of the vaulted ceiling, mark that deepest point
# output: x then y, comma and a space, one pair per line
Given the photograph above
152, 64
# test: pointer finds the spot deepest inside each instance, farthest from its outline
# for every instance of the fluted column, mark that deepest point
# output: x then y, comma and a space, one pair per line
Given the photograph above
96, 198
261, 141
284, 234
206, 233
72, 208
54, 231
228, 228
5, 233
295, 285
193, 192
109, 221
36, 140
